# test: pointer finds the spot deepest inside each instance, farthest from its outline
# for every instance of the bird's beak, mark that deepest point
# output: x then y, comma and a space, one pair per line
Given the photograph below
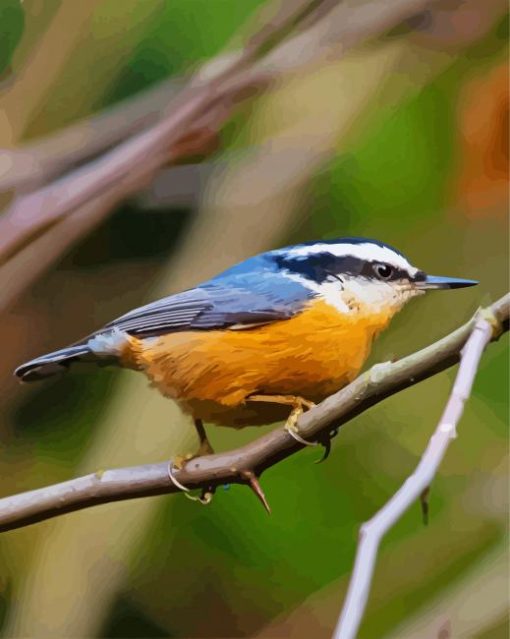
436, 282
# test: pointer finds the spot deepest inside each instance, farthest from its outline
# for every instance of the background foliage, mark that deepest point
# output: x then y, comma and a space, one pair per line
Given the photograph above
410, 175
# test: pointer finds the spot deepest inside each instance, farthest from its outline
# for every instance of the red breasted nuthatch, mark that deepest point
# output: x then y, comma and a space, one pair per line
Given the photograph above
266, 338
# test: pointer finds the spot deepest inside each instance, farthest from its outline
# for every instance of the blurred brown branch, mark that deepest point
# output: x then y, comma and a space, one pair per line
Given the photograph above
30, 165
136, 139
241, 465
416, 485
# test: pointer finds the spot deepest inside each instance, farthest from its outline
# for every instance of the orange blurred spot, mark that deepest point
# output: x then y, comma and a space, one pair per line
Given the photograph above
482, 185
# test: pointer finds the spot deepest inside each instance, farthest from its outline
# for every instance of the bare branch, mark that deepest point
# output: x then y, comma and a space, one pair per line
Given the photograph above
30, 213
24, 268
417, 484
241, 465
206, 101
33, 163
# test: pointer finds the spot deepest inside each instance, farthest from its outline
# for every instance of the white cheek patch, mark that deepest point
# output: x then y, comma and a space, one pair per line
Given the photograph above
109, 343
377, 296
330, 291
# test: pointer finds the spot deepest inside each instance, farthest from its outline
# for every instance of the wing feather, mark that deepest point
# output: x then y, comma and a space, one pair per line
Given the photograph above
208, 307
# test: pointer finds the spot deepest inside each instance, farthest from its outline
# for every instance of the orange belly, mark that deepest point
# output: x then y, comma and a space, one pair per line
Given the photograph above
211, 373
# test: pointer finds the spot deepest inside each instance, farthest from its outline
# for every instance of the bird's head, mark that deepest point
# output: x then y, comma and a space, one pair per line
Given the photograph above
359, 274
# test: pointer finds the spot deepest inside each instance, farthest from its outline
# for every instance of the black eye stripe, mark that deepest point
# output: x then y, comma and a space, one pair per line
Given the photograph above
321, 266
420, 276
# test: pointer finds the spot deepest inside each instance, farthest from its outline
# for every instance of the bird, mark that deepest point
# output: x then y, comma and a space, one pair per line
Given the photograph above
264, 340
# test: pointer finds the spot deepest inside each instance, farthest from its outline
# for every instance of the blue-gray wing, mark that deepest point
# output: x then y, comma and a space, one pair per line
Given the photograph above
216, 305
241, 300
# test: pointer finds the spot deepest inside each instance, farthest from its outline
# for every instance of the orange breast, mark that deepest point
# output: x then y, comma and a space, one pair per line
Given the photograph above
212, 372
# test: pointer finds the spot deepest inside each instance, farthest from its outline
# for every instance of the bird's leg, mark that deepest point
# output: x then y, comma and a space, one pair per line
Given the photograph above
204, 447
180, 461
298, 406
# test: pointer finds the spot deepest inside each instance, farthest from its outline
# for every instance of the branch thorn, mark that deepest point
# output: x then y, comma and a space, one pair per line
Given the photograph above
424, 502
255, 486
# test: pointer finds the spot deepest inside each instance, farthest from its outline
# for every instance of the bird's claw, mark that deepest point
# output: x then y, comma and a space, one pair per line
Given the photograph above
297, 404
204, 498
326, 442
294, 433
180, 461
179, 465
291, 423
207, 493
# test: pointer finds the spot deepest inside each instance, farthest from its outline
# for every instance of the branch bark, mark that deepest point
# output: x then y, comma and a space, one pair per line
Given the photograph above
209, 471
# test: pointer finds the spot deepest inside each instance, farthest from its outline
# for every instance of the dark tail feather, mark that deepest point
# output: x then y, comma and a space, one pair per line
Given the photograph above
51, 364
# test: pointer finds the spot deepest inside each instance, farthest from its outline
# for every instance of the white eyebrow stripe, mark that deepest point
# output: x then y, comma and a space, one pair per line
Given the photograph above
365, 251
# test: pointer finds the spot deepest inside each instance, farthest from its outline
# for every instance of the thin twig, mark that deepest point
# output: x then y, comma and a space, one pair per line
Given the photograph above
370, 388
372, 532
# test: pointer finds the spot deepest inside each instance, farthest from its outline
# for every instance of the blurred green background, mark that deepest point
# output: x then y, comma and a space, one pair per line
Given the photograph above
420, 163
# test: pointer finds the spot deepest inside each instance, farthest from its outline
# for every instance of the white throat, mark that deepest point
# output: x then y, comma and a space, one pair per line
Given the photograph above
350, 294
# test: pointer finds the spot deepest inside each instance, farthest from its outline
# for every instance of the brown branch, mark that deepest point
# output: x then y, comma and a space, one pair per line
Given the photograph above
33, 163
240, 465
25, 267
30, 213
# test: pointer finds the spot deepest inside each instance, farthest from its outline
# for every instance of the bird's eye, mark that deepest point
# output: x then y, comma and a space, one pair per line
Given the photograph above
383, 271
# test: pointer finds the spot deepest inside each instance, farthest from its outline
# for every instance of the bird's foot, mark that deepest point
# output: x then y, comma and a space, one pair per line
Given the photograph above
204, 447
298, 404
180, 461
291, 428
295, 414
326, 442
